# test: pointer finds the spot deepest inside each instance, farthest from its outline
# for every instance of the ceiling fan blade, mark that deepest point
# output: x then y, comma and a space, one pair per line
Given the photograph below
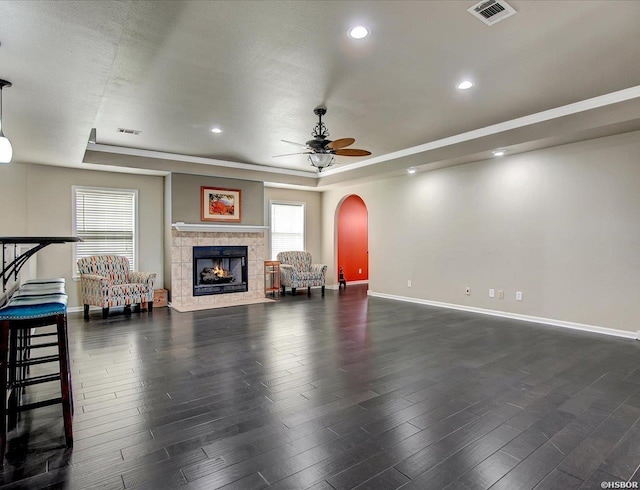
341, 143
290, 154
352, 152
294, 143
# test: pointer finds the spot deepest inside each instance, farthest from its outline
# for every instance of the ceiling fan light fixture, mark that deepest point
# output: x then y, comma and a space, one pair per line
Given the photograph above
6, 151
321, 160
465, 85
358, 32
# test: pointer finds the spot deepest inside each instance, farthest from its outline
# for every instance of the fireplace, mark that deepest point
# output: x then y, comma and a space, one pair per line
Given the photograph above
219, 270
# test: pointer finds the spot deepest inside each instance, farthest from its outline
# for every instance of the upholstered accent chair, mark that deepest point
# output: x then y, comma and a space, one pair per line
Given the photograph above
106, 281
297, 271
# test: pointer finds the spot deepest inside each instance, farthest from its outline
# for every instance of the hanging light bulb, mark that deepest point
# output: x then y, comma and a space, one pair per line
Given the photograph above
6, 151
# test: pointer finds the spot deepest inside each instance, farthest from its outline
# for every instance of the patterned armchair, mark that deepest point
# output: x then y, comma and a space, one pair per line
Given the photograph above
106, 281
297, 271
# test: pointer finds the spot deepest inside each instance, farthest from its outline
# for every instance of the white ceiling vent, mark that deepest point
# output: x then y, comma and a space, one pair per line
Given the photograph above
128, 131
491, 11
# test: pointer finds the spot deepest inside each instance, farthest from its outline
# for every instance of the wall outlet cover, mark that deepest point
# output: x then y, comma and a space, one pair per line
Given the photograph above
467, 291
500, 294
492, 293
518, 295
408, 284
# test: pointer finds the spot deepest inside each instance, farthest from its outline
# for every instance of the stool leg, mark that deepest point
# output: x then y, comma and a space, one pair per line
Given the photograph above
26, 352
12, 410
4, 340
65, 378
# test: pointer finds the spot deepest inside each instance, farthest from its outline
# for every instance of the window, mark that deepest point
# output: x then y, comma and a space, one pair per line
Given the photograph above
105, 219
287, 227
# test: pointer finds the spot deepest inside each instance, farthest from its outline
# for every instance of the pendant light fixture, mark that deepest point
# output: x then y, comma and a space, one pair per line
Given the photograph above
321, 160
6, 152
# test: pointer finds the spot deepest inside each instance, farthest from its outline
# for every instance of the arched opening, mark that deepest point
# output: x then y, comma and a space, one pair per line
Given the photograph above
353, 239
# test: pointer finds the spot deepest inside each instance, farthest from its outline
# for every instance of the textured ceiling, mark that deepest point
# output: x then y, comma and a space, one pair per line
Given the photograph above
173, 70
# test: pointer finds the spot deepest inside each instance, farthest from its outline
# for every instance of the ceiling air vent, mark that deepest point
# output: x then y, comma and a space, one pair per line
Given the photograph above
128, 131
492, 11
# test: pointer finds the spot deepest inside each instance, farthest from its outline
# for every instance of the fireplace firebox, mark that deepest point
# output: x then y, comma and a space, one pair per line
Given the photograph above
219, 270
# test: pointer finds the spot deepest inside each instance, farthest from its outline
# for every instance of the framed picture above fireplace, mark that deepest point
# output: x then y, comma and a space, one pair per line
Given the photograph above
220, 204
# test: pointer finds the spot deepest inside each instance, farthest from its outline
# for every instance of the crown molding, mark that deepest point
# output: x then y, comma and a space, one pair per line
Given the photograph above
558, 112
123, 150
532, 119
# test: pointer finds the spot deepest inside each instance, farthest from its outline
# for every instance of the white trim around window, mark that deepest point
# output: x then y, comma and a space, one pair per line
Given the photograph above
107, 221
287, 225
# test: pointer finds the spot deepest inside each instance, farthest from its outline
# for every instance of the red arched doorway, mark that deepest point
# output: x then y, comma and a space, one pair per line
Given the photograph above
353, 239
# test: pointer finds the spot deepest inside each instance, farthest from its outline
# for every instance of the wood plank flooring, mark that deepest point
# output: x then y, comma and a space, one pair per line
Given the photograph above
335, 393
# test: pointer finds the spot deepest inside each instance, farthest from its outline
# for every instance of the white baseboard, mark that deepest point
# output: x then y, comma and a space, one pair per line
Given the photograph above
514, 316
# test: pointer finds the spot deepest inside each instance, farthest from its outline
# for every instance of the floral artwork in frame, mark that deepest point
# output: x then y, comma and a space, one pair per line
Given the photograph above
220, 204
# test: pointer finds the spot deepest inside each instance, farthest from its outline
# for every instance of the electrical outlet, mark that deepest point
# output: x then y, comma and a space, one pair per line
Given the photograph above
408, 284
467, 291
500, 294
492, 293
359, 271
518, 295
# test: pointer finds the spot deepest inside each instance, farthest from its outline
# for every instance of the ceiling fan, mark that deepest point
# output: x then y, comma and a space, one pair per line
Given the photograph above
321, 151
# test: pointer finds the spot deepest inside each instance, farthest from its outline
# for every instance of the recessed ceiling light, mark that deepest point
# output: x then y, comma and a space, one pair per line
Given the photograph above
411, 170
467, 84
498, 153
359, 32
216, 130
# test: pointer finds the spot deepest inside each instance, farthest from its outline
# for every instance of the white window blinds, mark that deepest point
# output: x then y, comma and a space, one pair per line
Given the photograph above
105, 219
287, 227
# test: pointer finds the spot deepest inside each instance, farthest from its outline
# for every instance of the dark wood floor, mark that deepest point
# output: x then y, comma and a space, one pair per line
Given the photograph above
339, 392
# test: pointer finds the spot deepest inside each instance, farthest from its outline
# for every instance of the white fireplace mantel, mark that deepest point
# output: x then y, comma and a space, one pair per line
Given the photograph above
218, 228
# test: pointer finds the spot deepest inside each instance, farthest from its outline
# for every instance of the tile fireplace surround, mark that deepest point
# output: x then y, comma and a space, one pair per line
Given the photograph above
186, 236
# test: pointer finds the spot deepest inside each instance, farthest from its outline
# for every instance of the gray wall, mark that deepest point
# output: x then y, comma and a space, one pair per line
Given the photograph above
559, 224
313, 218
13, 199
167, 234
13, 212
37, 200
185, 198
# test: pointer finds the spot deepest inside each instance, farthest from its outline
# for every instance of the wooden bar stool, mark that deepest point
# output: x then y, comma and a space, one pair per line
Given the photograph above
19, 316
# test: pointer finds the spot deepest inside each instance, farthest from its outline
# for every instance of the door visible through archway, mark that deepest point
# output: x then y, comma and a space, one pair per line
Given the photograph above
353, 239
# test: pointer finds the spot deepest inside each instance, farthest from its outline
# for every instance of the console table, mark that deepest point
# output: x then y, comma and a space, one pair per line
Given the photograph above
38, 242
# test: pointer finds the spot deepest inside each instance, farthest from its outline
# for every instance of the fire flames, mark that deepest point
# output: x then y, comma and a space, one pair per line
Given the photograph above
219, 271
215, 275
